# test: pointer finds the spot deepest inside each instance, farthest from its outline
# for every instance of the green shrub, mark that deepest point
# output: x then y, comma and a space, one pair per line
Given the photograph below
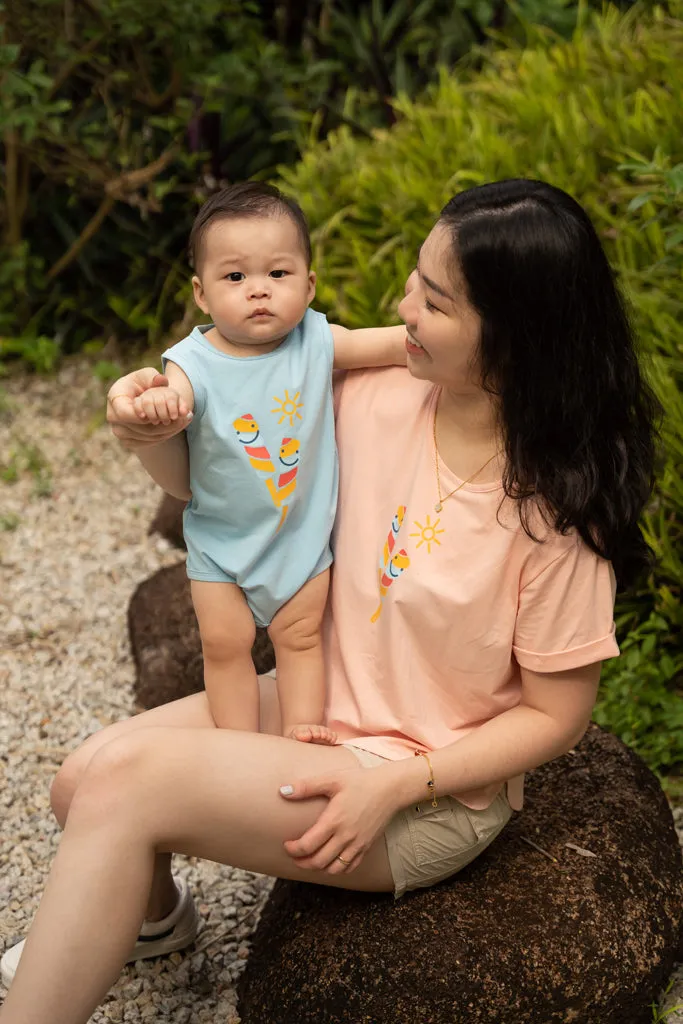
602, 117
118, 116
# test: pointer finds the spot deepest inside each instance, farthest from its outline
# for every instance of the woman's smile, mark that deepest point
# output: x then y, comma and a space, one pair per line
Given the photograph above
413, 347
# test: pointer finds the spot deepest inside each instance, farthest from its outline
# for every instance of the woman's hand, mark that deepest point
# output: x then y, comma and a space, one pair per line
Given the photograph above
133, 430
361, 801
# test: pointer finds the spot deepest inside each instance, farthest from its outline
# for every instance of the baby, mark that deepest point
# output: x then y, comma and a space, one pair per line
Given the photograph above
261, 481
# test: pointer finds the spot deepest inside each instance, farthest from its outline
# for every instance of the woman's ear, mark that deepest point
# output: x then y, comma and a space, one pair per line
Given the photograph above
198, 291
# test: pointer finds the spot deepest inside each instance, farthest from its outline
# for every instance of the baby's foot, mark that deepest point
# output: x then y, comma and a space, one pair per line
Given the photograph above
313, 734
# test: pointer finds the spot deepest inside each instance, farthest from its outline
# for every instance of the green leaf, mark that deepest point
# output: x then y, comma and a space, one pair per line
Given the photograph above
639, 201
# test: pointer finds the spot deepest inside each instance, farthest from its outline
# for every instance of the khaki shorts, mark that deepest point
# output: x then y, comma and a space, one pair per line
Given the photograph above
426, 844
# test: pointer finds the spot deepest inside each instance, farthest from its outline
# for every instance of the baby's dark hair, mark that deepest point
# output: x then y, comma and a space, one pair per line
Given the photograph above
579, 418
247, 199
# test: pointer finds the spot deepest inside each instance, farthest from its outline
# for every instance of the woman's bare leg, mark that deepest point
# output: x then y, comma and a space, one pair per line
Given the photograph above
213, 794
187, 713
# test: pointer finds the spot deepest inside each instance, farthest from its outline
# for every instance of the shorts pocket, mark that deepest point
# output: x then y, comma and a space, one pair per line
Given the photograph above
491, 820
439, 833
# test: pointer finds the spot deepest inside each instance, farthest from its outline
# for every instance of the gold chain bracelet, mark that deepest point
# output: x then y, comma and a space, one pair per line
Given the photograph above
430, 781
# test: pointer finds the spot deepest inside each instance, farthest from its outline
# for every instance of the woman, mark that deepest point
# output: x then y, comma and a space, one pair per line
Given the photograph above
484, 498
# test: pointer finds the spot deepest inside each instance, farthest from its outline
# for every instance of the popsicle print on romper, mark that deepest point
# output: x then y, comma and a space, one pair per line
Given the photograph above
286, 483
249, 435
394, 563
289, 453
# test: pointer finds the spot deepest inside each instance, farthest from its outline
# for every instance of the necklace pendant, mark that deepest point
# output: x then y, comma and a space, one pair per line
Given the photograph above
438, 506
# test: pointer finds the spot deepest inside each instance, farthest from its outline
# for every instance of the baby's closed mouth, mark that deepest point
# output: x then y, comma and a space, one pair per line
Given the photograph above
260, 312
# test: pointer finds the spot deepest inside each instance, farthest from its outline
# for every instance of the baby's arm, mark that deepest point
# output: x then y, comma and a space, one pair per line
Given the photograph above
168, 464
368, 346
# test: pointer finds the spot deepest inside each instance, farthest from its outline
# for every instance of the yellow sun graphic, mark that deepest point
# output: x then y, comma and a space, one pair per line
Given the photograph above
427, 534
288, 407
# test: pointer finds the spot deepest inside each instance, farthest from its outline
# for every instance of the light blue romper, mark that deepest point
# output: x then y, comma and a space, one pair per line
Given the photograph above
263, 463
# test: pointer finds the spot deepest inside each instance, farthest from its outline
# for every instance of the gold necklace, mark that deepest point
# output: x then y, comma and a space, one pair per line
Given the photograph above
445, 497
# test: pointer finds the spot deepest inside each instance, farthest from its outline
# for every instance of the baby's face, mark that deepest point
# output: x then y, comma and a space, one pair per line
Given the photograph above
253, 281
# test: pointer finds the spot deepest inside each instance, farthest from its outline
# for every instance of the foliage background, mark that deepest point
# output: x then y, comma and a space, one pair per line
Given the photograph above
117, 118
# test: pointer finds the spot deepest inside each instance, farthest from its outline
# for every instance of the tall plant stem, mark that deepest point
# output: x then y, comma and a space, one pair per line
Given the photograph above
114, 189
86, 234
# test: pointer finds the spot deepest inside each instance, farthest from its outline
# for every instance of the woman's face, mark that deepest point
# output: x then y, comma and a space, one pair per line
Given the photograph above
443, 328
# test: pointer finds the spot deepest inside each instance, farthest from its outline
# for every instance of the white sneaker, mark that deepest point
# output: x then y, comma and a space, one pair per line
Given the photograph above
176, 931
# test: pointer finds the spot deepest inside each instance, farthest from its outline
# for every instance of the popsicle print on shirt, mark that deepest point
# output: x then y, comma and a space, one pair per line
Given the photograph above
393, 563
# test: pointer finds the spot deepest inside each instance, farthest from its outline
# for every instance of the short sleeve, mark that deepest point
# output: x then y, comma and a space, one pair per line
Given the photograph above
565, 614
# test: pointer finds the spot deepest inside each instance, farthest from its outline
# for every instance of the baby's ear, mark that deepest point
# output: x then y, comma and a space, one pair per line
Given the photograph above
198, 291
312, 281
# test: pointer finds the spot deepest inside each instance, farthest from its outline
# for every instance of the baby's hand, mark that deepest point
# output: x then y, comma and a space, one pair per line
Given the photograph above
313, 734
158, 405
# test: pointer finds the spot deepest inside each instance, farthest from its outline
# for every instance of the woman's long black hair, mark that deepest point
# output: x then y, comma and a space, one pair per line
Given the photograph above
557, 349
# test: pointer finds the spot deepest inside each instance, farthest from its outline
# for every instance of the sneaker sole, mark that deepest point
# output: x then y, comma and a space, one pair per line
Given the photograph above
159, 945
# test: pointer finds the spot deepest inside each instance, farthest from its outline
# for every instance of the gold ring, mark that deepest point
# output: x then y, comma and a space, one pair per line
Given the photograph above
344, 862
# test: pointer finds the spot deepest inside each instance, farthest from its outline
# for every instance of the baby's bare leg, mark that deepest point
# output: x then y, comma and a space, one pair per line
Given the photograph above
227, 631
295, 632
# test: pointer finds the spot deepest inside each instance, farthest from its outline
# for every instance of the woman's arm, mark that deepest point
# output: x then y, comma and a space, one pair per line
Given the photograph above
554, 713
368, 346
552, 717
133, 432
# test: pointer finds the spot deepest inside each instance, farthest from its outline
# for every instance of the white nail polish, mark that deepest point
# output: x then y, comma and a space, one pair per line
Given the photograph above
286, 790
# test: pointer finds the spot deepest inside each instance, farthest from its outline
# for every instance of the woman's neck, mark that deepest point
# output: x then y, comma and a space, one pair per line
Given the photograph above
467, 436
471, 417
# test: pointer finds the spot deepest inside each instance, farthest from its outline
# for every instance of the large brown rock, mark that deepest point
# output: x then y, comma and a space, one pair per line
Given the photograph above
165, 640
515, 938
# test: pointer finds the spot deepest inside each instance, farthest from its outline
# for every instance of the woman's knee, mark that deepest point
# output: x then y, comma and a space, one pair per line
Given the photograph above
113, 773
67, 779
70, 776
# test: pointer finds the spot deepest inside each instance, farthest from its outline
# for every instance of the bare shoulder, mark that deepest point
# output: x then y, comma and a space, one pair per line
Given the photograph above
178, 379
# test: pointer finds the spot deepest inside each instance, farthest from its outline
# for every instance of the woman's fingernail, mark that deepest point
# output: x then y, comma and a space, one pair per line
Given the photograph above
189, 416
286, 790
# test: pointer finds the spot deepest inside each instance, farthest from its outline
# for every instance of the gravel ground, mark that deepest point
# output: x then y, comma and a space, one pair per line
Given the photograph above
73, 547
